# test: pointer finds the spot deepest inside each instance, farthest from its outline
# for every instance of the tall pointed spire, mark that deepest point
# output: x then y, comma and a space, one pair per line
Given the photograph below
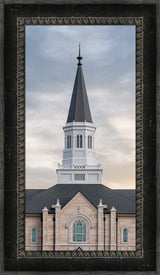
79, 110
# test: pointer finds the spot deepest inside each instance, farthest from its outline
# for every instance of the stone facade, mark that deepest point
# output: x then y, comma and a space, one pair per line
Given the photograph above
33, 222
129, 222
104, 231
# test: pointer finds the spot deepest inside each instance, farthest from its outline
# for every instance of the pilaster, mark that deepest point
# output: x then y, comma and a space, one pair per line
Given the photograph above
113, 229
101, 225
45, 229
57, 224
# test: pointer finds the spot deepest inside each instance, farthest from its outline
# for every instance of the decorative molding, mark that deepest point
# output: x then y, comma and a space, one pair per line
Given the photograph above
21, 23
79, 216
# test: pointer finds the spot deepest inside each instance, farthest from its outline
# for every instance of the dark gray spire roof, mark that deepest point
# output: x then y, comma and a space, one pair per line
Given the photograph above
79, 107
122, 200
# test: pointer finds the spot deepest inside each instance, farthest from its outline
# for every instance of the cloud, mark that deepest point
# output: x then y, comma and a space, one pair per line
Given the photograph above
37, 178
109, 71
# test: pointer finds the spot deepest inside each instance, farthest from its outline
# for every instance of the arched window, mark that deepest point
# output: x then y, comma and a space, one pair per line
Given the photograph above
68, 141
33, 235
79, 141
90, 142
79, 231
125, 235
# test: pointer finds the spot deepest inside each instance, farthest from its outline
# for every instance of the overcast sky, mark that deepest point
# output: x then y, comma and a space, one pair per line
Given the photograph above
109, 71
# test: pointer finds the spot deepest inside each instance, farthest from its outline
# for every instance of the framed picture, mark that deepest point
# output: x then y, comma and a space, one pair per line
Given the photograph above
80, 220
80, 184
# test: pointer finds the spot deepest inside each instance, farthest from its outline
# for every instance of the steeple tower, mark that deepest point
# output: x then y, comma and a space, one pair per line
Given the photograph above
79, 164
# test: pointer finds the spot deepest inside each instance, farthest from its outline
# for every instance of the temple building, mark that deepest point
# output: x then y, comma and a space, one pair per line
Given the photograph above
79, 212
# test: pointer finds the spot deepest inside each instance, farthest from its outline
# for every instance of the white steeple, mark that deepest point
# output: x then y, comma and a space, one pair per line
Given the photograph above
79, 164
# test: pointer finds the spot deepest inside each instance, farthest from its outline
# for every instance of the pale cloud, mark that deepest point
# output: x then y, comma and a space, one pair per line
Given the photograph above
40, 177
124, 125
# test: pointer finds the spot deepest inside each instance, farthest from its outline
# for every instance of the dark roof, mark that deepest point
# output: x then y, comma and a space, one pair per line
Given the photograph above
122, 199
79, 107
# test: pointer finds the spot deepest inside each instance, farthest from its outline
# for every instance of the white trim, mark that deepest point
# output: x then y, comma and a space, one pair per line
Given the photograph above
78, 216
77, 244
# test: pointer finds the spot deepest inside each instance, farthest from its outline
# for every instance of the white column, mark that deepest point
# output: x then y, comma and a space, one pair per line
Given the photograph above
65, 142
101, 225
45, 229
113, 229
73, 140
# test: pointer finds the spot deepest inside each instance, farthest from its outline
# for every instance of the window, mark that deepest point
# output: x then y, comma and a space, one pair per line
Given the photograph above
90, 142
68, 141
79, 177
79, 141
33, 235
124, 235
79, 231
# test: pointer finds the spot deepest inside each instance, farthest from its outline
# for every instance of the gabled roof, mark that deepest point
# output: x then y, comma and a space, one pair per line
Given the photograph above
123, 199
79, 110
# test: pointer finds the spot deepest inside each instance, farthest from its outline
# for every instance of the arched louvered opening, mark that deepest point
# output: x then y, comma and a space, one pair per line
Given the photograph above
90, 142
68, 141
79, 141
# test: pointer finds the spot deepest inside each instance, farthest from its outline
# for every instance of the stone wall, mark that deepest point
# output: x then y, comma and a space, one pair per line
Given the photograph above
107, 232
51, 232
33, 222
128, 222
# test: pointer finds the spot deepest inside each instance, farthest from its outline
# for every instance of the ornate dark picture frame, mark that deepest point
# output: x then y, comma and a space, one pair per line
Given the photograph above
16, 17
21, 23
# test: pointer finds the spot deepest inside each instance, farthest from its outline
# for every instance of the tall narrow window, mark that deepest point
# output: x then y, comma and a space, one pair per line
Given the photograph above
79, 231
68, 141
90, 142
124, 235
33, 235
79, 141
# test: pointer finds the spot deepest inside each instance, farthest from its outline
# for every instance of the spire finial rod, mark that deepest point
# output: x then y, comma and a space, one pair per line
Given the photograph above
79, 57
